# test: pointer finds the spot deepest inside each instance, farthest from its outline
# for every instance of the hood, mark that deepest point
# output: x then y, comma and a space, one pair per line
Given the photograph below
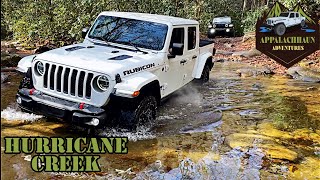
277, 18
99, 58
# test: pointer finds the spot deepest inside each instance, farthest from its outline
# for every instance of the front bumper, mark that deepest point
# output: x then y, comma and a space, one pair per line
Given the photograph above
82, 115
220, 31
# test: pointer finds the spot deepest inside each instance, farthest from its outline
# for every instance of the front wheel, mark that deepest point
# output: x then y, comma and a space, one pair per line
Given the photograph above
280, 29
205, 73
142, 115
303, 23
211, 34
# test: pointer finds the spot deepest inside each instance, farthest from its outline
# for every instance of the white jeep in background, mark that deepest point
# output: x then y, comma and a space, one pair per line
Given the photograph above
284, 20
127, 63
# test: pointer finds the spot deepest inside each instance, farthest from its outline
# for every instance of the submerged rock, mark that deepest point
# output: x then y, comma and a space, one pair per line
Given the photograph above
254, 72
307, 169
269, 145
304, 74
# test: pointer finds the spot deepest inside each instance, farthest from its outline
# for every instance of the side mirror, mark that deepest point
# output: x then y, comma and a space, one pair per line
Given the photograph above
176, 50
84, 32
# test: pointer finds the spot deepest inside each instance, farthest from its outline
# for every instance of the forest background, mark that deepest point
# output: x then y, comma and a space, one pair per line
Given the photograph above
61, 21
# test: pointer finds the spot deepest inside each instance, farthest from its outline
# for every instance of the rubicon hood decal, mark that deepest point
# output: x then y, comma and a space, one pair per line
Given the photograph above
137, 69
287, 36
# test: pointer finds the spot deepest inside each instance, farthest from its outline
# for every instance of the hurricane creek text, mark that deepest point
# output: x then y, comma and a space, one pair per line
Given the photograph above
59, 154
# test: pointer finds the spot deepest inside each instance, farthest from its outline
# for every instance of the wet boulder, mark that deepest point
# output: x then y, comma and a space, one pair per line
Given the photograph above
248, 54
11, 60
224, 52
4, 78
304, 74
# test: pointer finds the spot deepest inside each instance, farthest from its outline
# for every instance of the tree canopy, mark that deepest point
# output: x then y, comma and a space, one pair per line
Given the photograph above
62, 20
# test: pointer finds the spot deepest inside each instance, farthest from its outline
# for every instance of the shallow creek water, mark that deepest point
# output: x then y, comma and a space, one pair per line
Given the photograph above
269, 129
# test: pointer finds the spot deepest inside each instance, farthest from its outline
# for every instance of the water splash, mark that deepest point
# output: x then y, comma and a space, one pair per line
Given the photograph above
308, 30
229, 166
12, 114
141, 133
264, 29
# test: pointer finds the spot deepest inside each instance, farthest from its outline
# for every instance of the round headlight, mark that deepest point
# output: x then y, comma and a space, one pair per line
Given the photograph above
214, 26
40, 68
103, 83
227, 25
230, 25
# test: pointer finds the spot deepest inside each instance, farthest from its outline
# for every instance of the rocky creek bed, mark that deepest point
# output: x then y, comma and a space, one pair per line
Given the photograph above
233, 127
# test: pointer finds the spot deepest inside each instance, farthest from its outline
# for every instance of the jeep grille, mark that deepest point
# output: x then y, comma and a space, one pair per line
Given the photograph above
269, 22
220, 25
67, 80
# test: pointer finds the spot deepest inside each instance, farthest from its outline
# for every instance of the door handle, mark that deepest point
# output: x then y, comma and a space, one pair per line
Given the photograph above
193, 57
183, 61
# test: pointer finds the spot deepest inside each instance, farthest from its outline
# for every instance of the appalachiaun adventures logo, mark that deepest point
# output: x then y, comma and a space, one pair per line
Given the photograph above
287, 36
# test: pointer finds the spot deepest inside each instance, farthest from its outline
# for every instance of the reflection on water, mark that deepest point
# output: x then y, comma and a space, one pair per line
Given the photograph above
229, 128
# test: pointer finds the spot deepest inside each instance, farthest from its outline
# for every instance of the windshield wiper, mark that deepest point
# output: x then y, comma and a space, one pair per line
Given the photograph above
136, 47
131, 44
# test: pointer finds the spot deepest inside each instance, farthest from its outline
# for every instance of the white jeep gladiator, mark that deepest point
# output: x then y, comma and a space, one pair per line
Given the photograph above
284, 20
127, 63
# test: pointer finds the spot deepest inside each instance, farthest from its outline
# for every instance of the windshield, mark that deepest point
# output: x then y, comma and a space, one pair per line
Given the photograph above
284, 15
131, 32
222, 20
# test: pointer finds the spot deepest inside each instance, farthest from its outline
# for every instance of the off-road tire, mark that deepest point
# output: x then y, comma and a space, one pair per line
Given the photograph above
303, 23
143, 113
280, 29
205, 73
211, 35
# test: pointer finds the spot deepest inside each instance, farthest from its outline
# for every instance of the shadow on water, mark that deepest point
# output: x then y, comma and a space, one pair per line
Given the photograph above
289, 113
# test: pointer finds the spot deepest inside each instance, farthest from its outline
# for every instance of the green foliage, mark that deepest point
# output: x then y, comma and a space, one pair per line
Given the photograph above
62, 20
250, 18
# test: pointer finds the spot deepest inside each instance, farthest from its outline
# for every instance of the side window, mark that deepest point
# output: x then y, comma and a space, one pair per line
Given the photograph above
291, 15
191, 38
297, 14
177, 36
